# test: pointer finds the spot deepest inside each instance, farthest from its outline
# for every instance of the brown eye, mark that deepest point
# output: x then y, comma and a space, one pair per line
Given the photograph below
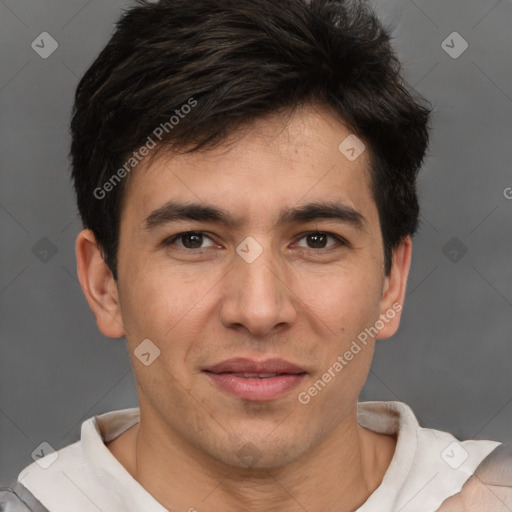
319, 240
192, 240
189, 240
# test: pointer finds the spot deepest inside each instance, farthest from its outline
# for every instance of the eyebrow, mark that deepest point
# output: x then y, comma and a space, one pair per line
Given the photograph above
174, 211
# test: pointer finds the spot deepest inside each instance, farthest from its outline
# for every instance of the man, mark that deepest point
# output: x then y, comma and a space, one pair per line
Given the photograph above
246, 172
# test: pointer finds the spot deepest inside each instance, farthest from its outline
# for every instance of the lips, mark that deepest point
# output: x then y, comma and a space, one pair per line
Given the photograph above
269, 367
255, 380
256, 375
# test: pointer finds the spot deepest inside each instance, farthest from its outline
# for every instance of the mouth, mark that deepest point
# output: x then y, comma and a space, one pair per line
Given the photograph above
255, 375
255, 381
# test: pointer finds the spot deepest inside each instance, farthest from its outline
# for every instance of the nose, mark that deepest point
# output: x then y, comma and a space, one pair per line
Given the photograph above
256, 296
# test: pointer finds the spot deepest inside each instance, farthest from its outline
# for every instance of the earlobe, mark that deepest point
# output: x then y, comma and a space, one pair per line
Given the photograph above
394, 288
98, 285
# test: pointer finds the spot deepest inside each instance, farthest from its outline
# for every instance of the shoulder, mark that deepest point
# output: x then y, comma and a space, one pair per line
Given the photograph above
11, 502
18, 500
490, 487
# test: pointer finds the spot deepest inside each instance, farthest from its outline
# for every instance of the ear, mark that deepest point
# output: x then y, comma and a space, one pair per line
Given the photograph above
393, 291
98, 285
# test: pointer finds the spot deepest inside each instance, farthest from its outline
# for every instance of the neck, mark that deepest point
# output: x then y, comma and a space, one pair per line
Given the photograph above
339, 474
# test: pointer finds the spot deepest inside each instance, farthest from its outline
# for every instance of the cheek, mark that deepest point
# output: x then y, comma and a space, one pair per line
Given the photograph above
344, 300
170, 309
157, 298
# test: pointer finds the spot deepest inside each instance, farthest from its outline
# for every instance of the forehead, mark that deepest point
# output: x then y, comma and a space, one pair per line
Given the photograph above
277, 161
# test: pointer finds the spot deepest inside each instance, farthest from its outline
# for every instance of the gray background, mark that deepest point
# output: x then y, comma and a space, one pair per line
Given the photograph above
450, 361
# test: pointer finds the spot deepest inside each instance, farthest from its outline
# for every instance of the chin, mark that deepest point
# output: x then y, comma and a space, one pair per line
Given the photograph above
260, 452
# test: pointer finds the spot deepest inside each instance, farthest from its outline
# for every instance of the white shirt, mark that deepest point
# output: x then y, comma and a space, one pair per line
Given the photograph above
428, 466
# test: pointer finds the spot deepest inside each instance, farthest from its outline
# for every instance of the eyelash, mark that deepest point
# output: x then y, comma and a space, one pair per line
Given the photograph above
341, 241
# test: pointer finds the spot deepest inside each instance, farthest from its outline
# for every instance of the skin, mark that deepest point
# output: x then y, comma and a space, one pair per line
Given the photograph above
296, 301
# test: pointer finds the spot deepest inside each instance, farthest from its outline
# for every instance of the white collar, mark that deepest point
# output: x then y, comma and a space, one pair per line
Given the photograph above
86, 477
428, 465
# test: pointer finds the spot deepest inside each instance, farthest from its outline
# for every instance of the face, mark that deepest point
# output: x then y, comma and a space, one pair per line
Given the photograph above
277, 271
